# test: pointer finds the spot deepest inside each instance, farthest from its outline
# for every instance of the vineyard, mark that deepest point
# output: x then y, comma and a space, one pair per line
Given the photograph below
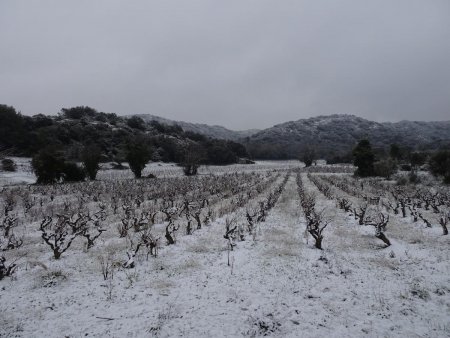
264, 250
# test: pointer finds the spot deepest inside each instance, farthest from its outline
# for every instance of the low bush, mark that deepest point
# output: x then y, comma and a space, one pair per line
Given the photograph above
8, 165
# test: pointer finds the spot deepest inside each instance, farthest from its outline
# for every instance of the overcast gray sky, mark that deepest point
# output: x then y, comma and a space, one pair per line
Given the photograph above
241, 64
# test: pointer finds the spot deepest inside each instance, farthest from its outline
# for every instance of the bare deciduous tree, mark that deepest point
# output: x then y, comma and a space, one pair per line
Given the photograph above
316, 224
59, 235
6, 270
360, 213
379, 221
443, 221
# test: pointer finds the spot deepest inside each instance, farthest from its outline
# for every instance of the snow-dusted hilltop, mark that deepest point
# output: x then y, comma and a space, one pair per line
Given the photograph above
204, 129
329, 135
337, 134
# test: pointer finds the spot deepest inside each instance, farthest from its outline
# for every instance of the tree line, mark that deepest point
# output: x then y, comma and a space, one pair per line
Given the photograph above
78, 133
367, 163
82, 134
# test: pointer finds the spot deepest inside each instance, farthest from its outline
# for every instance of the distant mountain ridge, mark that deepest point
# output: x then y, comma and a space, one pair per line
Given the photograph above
337, 135
213, 131
329, 135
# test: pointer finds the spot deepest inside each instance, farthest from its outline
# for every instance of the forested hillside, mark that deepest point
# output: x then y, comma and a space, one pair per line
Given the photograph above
335, 136
74, 128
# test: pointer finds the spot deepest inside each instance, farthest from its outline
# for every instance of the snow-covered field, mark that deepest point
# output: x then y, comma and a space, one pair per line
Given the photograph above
273, 283
25, 175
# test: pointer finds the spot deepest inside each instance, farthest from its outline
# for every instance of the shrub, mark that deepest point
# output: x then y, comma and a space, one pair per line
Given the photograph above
364, 159
12, 130
308, 156
138, 154
440, 165
77, 113
406, 167
91, 159
395, 152
8, 165
402, 180
73, 172
413, 177
417, 159
136, 122
385, 168
48, 165
6, 270
192, 158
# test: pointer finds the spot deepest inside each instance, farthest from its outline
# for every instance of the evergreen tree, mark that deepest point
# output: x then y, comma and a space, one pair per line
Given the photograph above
91, 159
308, 156
440, 165
395, 152
192, 158
73, 172
364, 158
138, 154
48, 165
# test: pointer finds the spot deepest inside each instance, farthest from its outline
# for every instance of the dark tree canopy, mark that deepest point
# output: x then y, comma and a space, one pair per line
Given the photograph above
12, 131
78, 112
8, 164
138, 153
48, 165
193, 156
308, 156
73, 172
417, 159
220, 154
395, 152
385, 168
77, 126
136, 122
91, 159
364, 158
440, 165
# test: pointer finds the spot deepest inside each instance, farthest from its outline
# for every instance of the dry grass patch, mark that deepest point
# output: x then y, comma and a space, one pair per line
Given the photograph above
189, 264
162, 284
384, 262
199, 248
282, 251
281, 243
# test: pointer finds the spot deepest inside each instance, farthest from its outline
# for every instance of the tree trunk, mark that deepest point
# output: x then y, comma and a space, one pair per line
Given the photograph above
169, 237
444, 228
189, 228
90, 243
199, 222
384, 239
318, 243
153, 250
56, 254
428, 224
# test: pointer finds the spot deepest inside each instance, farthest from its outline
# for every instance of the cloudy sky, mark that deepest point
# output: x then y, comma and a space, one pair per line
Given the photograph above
241, 64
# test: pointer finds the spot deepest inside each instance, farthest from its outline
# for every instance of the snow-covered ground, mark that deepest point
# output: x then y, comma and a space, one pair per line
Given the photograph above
25, 175
277, 284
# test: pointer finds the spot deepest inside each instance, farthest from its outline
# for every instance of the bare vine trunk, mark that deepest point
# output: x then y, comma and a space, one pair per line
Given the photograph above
383, 237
